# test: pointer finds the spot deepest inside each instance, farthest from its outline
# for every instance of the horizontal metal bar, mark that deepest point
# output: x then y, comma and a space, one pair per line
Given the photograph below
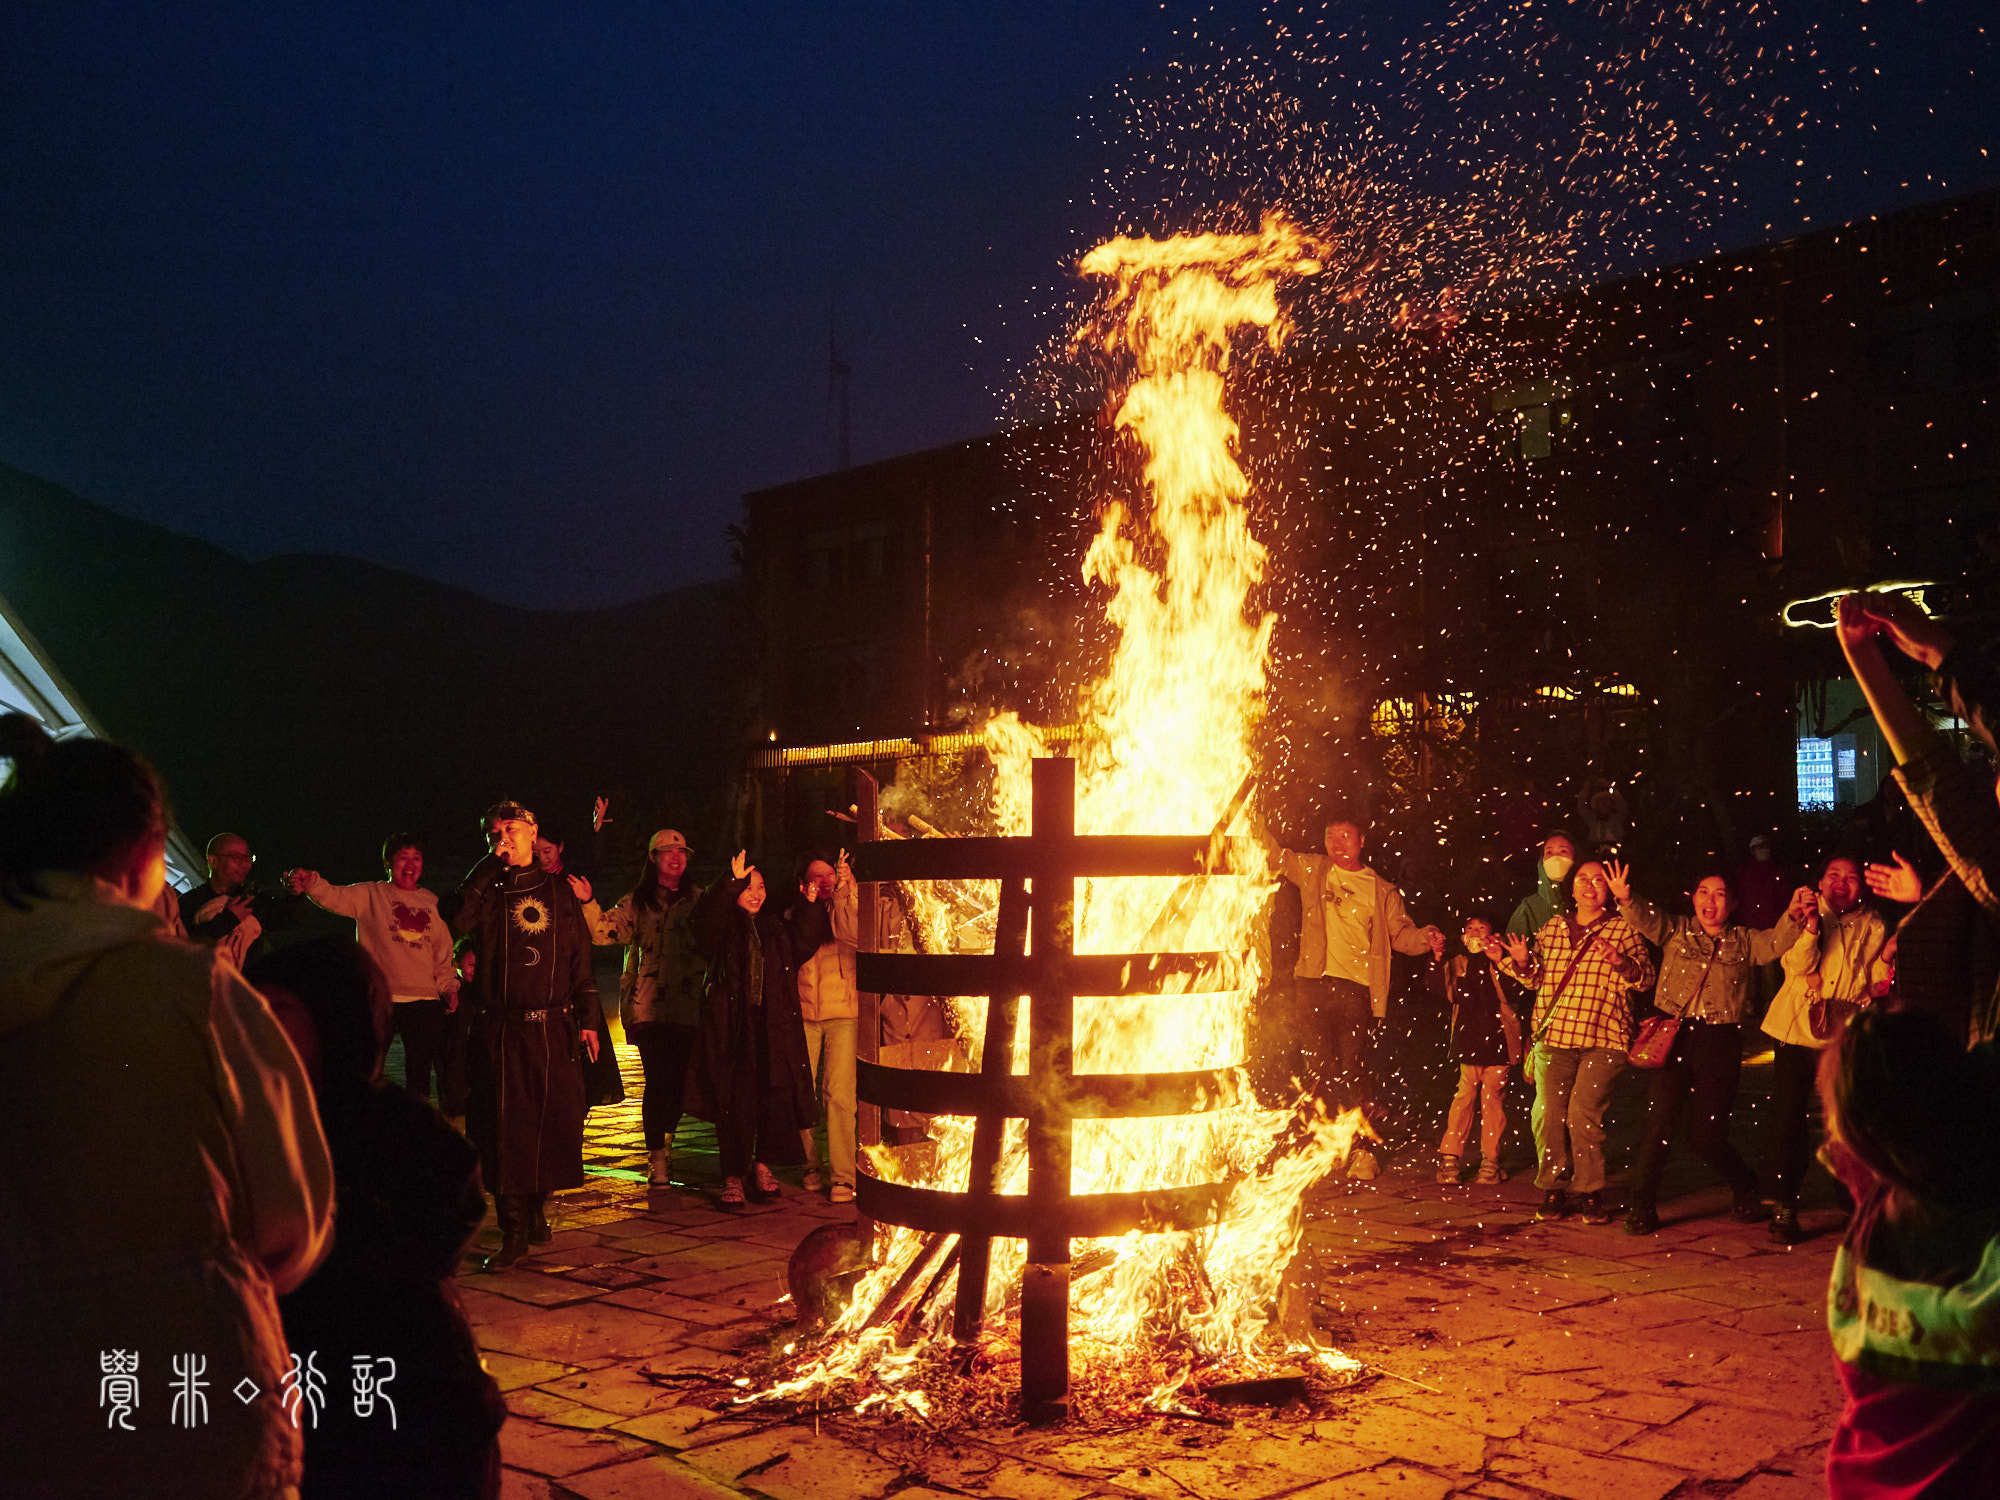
1021, 974
1097, 855
1009, 1216
1090, 1096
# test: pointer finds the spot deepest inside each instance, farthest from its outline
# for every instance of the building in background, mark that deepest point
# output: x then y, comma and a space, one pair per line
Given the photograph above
1538, 560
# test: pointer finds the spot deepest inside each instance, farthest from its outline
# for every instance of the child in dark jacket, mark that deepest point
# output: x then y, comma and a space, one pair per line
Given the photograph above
1485, 1042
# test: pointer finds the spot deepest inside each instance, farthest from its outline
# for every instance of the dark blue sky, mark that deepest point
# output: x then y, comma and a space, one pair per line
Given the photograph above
523, 297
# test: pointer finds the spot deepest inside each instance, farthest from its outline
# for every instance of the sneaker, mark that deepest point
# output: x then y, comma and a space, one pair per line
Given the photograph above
1555, 1205
1590, 1208
766, 1183
1448, 1170
732, 1192
1749, 1209
1362, 1165
815, 1180
1641, 1219
1785, 1225
842, 1193
1489, 1171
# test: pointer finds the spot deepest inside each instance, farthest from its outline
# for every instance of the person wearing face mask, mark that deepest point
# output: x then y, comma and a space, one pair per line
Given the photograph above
1583, 969
751, 1052
1828, 971
1544, 901
1536, 909
1708, 966
534, 1005
397, 923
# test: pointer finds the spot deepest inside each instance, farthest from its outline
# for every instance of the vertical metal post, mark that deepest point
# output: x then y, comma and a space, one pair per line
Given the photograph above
996, 1059
1051, 1041
867, 937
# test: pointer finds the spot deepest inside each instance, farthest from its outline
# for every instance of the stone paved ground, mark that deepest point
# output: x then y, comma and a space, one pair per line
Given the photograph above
1515, 1359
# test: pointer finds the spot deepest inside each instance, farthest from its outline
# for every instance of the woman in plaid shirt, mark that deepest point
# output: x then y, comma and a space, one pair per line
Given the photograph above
1583, 969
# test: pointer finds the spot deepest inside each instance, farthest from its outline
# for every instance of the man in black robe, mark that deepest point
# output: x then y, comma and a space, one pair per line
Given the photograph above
533, 1011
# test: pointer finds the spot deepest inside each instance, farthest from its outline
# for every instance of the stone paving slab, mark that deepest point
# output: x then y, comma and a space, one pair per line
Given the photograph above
1511, 1359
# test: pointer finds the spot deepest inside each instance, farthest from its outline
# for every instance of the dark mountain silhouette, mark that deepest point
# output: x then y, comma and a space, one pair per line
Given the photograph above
315, 703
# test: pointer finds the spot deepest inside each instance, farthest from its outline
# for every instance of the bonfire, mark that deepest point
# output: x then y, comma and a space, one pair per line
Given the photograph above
1169, 1313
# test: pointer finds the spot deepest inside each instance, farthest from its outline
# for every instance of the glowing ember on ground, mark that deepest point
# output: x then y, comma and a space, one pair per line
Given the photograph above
1155, 1317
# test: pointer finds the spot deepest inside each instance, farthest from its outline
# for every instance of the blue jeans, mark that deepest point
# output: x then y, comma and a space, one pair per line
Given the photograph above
1574, 1084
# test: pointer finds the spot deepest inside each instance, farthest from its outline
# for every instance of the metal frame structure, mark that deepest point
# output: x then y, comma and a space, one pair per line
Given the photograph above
1034, 959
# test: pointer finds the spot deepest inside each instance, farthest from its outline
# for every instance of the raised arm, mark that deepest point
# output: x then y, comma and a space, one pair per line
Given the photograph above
1961, 815
1653, 924
710, 919
807, 927
1902, 726
608, 929
846, 904
1634, 959
1773, 943
341, 900
1517, 962
477, 893
1406, 936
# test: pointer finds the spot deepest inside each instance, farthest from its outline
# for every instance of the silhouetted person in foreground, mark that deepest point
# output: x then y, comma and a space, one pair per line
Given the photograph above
162, 1172
383, 1312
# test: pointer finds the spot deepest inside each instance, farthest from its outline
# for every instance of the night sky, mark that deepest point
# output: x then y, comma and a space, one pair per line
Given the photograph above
523, 298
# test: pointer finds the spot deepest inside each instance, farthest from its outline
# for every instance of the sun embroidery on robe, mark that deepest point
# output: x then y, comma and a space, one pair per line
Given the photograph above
531, 915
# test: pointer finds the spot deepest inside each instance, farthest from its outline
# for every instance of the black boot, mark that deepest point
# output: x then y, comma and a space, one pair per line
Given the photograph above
512, 1212
539, 1232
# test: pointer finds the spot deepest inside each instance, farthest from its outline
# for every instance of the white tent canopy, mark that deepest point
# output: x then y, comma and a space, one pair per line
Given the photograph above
30, 683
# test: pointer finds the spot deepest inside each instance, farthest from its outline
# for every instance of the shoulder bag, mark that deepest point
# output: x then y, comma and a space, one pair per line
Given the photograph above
1655, 1042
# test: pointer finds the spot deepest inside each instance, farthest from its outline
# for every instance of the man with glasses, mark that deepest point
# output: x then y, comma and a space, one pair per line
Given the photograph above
222, 912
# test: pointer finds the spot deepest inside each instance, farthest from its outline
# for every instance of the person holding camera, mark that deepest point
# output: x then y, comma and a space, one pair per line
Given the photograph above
225, 912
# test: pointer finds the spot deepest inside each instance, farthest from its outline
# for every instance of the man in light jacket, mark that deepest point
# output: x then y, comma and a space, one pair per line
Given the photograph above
831, 1010
1351, 920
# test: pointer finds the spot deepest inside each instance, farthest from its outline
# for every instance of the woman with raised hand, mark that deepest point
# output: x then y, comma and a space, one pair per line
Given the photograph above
752, 1048
1707, 968
659, 988
1586, 962
1828, 972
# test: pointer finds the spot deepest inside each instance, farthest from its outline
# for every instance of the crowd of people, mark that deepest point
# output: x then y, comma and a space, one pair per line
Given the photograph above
1891, 1028
248, 1096
181, 1222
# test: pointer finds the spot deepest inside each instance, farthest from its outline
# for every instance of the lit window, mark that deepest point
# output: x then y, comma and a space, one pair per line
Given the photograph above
1816, 773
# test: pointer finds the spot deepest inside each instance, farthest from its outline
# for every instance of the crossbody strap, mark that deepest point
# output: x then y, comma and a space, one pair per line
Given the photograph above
1695, 998
1555, 997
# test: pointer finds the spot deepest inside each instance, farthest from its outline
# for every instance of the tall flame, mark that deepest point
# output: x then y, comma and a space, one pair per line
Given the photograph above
1172, 721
